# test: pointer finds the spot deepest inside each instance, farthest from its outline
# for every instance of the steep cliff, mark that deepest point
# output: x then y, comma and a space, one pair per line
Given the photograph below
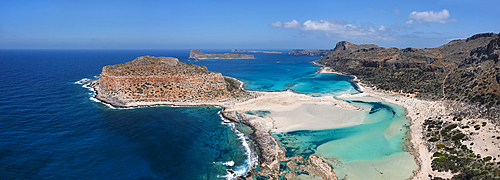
199, 55
464, 70
156, 79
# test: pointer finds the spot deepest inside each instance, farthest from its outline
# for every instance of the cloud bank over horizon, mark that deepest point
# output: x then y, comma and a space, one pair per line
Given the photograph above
341, 29
405, 28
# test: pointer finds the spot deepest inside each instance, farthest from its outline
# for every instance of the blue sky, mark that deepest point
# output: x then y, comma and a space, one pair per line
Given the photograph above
219, 24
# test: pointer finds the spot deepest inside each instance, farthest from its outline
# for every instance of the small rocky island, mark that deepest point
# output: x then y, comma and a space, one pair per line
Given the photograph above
151, 80
306, 52
199, 55
245, 51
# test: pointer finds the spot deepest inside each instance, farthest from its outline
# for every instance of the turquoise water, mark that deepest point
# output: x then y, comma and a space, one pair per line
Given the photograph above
382, 136
368, 141
279, 72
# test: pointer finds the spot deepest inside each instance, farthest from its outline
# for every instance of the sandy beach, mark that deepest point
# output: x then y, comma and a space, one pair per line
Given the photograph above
292, 111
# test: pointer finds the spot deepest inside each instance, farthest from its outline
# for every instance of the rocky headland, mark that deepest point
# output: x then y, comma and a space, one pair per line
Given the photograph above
305, 52
151, 80
245, 51
199, 55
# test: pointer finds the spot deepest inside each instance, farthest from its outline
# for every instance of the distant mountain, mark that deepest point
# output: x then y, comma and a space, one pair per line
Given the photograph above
465, 70
305, 52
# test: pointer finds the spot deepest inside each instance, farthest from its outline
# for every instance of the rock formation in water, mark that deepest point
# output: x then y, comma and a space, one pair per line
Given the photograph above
462, 71
245, 51
305, 52
198, 55
161, 79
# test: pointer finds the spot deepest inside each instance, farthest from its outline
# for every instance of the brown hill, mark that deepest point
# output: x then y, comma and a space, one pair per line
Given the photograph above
465, 70
154, 79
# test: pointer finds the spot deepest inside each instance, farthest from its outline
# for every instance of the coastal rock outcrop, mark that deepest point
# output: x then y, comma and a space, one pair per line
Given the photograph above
305, 52
199, 55
157, 79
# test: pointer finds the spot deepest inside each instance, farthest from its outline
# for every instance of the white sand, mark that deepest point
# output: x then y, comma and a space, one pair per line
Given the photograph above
292, 111
395, 166
315, 117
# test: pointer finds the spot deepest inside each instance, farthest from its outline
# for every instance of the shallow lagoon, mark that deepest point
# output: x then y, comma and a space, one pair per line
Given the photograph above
360, 151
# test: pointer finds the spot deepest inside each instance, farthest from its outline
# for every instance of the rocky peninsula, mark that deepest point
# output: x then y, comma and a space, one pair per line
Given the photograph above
151, 80
245, 51
199, 55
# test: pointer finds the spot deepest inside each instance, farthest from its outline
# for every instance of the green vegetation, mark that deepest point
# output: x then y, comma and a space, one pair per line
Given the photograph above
452, 155
232, 84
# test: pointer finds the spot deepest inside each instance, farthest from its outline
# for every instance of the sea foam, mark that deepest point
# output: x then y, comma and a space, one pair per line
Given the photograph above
252, 159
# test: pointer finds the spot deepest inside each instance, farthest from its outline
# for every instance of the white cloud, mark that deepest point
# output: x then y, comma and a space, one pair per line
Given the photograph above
341, 29
292, 24
276, 24
430, 17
